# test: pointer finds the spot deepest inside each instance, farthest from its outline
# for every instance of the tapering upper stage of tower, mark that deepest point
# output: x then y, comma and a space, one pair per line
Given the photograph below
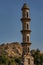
25, 13
25, 6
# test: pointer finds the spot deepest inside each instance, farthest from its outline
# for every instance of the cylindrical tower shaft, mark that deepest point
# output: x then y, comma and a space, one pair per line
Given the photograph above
25, 29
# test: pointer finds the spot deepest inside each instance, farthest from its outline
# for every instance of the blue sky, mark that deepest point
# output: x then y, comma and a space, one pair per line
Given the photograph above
10, 24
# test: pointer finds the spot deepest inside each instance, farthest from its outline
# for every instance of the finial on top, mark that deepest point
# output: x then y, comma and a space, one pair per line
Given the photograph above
25, 6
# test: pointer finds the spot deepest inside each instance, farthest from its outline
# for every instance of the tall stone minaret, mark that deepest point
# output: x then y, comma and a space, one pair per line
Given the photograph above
27, 59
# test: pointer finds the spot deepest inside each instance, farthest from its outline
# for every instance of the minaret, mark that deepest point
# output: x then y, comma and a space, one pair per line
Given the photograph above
27, 59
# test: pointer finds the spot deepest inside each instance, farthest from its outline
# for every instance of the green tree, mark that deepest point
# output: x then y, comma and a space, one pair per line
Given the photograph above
38, 58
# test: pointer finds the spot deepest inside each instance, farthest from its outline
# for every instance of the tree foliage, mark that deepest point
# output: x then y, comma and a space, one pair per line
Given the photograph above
5, 60
38, 58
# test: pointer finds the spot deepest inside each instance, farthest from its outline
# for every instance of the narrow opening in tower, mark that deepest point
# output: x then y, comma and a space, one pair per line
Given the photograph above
27, 14
27, 26
28, 61
27, 38
28, 49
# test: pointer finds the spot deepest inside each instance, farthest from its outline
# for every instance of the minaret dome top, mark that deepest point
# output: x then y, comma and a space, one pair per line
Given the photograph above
25, 6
